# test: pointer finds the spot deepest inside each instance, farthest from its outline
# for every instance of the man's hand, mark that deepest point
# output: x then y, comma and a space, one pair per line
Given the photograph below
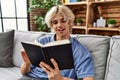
25, 57
53, 74
25, 67
88, 78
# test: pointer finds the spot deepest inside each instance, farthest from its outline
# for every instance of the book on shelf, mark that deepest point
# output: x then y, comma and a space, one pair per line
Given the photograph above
60, 50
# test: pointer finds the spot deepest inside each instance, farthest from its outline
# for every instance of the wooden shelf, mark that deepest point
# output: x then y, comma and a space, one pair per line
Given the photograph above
79, 27
104, 29
98, 2
76, 3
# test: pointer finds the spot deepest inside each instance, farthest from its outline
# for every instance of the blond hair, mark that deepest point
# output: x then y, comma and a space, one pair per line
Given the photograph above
65, 11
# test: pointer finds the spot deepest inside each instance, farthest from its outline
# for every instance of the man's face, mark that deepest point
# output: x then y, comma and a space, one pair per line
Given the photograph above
61, 26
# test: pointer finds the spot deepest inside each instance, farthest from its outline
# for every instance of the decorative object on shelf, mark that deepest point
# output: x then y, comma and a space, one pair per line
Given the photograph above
75, 0
79, 22
94, 24
67, 1
97, 0
78, 0
111, 23
101, 22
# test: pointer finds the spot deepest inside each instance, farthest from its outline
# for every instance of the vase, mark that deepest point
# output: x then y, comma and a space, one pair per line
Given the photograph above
111, 25
79, 24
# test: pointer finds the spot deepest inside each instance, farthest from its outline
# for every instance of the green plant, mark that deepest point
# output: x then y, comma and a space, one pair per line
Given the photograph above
42, 26
78, 0
39, 18
111, 21
79, 21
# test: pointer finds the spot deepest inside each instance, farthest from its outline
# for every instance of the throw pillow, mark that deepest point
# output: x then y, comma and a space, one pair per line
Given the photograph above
6, 48
98, 47
19, 36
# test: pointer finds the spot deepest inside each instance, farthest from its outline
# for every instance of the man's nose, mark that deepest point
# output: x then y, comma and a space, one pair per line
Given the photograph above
59, 23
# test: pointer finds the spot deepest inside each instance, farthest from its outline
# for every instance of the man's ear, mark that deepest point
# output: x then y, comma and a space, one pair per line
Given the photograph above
69, 22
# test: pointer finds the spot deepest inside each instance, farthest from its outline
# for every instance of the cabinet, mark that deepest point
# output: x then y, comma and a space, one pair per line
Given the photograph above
89, 11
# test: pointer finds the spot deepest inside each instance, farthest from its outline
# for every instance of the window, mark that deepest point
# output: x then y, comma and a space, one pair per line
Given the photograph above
13, 15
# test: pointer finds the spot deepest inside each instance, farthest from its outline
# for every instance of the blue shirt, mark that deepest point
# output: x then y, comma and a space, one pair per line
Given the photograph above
82, 61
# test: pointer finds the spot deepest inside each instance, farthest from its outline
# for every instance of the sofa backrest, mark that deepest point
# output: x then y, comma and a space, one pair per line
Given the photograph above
113, 62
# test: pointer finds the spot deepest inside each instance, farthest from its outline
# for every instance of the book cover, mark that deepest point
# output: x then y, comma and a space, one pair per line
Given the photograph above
61, 51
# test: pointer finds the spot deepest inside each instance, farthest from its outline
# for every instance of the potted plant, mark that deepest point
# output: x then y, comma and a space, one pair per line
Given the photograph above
39, 9
79, 22
111, 22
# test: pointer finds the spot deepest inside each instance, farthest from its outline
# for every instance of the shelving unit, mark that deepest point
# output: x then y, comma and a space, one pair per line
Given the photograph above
88, 11
80, 11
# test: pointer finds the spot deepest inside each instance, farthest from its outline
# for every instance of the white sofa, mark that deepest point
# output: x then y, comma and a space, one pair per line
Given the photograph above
105, 51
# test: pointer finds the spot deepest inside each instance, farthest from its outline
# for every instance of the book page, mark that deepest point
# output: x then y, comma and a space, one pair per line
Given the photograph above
59, 42
37, 43
34, 43
54, 43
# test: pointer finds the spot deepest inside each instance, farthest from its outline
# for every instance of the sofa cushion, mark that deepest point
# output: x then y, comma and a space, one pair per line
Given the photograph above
98, 46
22, 36
11, 73
6, 48
113, 63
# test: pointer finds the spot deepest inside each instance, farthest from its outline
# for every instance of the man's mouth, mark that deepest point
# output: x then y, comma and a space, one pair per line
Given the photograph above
61, 29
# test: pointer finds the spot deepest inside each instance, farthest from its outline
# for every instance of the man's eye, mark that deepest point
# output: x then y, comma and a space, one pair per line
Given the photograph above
54, 22
63, 20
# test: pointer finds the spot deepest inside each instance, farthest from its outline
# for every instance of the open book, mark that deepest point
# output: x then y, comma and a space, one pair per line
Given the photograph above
60, 50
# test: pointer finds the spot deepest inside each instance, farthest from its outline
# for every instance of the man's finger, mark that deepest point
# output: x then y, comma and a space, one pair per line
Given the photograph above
25, 57
45, 67
54, 63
